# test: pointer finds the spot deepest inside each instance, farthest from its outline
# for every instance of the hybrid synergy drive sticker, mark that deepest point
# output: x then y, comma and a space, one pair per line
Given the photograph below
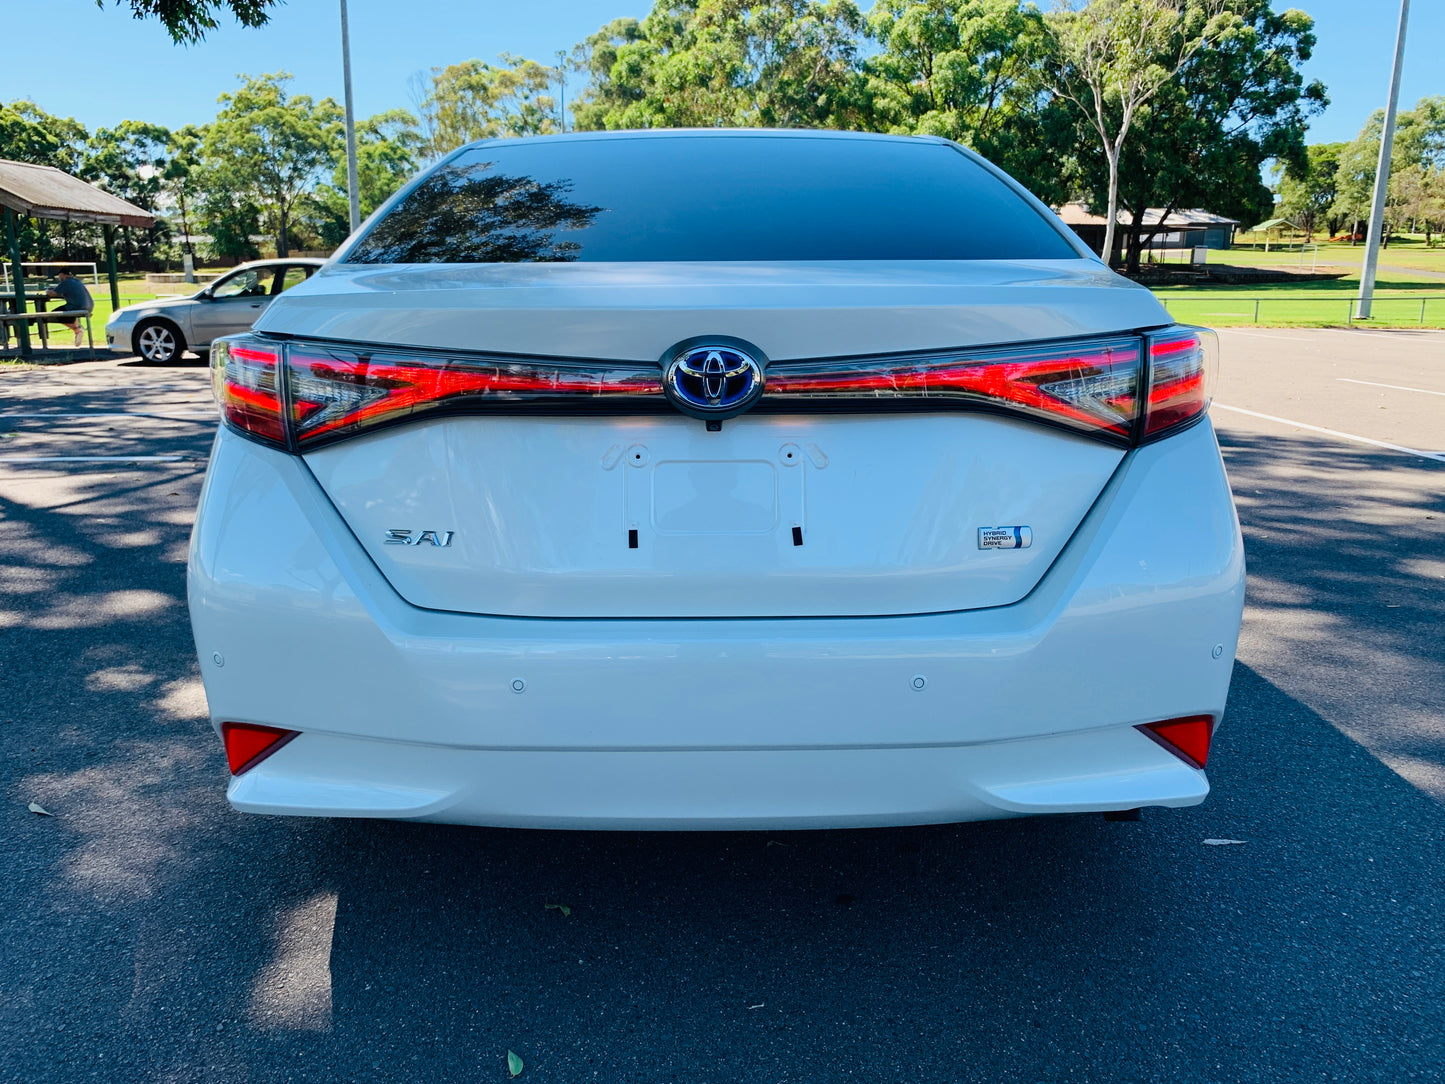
1005, 538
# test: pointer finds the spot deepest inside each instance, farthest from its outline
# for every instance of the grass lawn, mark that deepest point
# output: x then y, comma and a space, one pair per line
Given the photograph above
133, 288
1397, 303
1407, 252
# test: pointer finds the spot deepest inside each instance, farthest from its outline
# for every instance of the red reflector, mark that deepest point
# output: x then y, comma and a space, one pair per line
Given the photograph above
1187, 739
248, 744
246, 376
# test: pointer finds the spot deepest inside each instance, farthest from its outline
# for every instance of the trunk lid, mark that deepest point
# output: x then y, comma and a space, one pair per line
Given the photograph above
846, 514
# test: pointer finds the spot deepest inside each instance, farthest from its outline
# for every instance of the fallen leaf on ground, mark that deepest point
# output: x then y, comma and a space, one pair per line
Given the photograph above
36, 807
558, 907
1221, 842
514, 1064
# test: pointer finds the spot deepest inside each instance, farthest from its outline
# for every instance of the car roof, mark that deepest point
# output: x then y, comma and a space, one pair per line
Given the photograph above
278, 261
712, 133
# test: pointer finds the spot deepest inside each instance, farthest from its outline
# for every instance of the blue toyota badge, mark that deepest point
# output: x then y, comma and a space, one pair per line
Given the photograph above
713, 379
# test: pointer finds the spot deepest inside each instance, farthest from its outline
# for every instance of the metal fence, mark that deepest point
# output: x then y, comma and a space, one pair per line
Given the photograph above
1415, 303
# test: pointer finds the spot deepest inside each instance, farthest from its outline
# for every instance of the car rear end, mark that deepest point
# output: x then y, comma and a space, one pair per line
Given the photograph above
475, 547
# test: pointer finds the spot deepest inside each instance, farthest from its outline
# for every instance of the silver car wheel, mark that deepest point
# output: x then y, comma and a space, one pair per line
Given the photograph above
156, 342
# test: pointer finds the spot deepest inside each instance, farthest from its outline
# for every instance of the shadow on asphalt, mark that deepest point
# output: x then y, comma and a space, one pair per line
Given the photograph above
149, 932
1031, 950
1346, 552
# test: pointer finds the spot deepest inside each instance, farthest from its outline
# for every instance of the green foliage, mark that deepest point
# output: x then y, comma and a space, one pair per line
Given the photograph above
473, 100
1308, 190
30, 134
271, 147
1202, 138
23, 140
971, 71
1417, 169
388, 147
1210, 89
726, 63
182, 176
129, 161
1110, 58
187, 21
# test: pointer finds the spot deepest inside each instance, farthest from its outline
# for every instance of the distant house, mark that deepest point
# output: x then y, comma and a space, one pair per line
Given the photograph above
1181, 229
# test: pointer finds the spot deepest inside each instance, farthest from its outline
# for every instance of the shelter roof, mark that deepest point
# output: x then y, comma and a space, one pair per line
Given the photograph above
1278, 224
47, 192
1077, 214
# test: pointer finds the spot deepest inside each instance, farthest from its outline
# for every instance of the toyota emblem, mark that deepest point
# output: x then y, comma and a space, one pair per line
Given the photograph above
713, 380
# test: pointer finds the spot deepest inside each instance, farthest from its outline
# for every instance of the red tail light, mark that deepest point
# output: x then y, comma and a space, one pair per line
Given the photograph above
1091, 385
1183, 362
247, 744
1122, 388
1188, 738
335, 391
246, 376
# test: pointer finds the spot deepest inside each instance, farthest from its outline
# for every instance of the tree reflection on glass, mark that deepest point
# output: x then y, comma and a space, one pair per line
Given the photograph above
467, 214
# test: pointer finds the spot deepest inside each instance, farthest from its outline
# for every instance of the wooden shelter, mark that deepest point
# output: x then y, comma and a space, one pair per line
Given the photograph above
31, 191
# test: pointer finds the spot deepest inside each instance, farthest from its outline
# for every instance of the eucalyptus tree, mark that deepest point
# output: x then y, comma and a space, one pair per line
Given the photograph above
272, 148
1111, 57
1418, 153
129, 160
182, 175
475, 100
389, 148
1203, 139
971, 71
726, 63
1308, 189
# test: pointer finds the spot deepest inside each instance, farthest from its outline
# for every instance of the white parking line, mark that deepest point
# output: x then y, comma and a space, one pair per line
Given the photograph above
116, 414
1262, 335
1397, 387
1334, 433
92, 458
1409, 332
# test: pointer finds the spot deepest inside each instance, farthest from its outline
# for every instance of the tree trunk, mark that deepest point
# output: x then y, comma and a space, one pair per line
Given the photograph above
1112, 154
1135, 246
188, 245
282, 248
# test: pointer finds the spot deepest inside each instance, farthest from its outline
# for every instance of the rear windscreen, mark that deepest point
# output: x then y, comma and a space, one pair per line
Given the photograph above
710, 198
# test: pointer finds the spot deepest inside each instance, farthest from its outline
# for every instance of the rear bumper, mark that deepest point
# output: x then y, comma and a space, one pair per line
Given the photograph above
777, 723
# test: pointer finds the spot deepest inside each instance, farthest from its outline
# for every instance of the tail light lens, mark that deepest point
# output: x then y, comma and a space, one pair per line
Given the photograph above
245, 374
247, 744
1188, 738
1122, 389
1091, 385
1183, 364
335, 392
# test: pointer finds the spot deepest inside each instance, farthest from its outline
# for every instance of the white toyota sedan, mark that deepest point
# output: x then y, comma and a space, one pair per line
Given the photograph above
715, 479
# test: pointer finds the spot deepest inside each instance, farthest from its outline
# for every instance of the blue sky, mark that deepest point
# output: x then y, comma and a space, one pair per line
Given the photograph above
102, 66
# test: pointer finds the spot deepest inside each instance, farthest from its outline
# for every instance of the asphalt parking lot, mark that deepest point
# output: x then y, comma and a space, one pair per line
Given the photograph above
150, 933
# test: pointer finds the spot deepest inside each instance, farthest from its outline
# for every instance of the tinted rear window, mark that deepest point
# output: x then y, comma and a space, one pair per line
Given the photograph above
705, 198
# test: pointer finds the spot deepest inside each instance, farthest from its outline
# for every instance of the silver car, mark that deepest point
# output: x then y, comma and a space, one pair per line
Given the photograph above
160, 331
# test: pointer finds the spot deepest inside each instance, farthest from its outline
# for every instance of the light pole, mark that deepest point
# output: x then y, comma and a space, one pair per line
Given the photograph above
1382, 174
353, 196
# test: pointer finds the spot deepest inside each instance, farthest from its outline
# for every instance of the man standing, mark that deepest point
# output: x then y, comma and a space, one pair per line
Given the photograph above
75, 298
